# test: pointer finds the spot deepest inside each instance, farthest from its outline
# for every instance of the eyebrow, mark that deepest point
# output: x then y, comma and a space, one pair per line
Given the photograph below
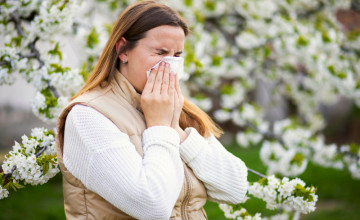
166, 51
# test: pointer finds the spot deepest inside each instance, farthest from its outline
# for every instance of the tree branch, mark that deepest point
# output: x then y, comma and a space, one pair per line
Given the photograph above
16, 19
35, 51
30, 55
43, 148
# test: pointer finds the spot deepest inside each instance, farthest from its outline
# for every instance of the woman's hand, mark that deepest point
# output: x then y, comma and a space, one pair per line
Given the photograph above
157, 98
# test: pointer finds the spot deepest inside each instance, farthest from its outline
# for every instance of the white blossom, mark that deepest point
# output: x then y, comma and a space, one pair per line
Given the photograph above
204, 103
247, 40
23, 156
222, 115
38, 102
241, 214
68, 83
281, 193
3, 193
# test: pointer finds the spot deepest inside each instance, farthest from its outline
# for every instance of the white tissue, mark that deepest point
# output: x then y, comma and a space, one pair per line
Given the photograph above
176, 65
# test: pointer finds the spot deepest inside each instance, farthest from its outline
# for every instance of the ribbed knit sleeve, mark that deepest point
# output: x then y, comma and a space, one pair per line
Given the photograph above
223, 174
106, 162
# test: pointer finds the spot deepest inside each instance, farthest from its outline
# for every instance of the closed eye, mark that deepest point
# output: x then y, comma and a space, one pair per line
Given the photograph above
165, 52
178, 54
161, 52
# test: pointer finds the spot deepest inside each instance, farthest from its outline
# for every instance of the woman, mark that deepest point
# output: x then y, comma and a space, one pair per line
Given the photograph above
131, 147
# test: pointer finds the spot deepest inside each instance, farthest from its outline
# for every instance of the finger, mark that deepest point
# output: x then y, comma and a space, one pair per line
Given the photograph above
165, 82
177, 85
150, 82
158, 79
172, 85
178, 92
176, 99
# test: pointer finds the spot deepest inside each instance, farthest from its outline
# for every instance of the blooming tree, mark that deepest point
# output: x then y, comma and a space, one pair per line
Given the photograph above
295, 47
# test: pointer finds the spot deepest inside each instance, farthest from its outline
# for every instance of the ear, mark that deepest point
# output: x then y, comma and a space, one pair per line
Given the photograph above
119, 44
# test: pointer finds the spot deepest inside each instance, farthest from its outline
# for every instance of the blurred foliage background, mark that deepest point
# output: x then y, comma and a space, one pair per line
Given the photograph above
339, 193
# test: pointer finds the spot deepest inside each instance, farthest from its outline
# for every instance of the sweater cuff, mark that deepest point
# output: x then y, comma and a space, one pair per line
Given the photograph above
192, 145
160, 135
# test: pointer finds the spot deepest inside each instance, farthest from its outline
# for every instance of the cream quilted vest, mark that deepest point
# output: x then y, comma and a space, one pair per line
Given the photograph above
119, 101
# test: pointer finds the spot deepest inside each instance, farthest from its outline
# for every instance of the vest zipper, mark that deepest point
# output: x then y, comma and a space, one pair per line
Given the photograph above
188, 189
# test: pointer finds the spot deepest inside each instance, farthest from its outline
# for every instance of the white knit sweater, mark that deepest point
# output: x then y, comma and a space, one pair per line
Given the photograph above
106, 162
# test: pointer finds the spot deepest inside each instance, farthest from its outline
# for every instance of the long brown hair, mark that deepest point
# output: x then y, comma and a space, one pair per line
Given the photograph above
133, 24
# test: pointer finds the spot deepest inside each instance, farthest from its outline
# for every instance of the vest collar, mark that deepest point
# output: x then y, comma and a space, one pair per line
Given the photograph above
123, 87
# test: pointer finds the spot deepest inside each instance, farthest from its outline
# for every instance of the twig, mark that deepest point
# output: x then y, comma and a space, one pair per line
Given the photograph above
7, 175
35, 51
31, 55
15, 18
257, 173
52, 89
43, 148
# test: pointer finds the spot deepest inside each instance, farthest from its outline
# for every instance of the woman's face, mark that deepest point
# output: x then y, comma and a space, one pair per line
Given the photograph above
158, 42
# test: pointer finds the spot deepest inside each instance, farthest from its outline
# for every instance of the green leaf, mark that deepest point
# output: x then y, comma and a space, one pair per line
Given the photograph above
92, 39
50, 99
46, 167
7, 186
188, 2
353, 34
354, 149
16, 40
199, 16
301, 191
56, 51
109, 28
263, 181
12, 186
333, 72
198, 64
302, 41
18, 185
331, 69
210, 5
199, 96
273, 157
216, 60
49, 132
298, 159
227, 89
83, 72
325, 37
56, 68
267, 51
341, 75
